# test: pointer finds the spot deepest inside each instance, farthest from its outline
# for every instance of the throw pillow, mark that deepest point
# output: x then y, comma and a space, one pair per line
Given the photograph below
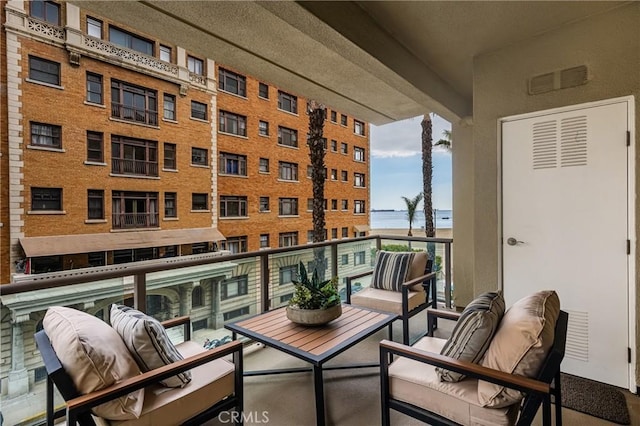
94, 356
148, 342
391, 270
520, 345
473, 332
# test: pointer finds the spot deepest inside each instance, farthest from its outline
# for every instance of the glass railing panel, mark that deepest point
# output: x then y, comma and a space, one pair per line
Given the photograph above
354, 258
284, 268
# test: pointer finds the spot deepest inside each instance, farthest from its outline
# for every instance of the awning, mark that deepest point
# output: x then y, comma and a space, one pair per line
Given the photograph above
361, 228
86, 243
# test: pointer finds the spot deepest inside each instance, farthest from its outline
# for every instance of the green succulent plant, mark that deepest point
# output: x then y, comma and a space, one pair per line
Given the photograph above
313, 293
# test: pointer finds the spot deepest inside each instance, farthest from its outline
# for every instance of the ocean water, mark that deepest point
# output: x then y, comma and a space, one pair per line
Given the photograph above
398, 219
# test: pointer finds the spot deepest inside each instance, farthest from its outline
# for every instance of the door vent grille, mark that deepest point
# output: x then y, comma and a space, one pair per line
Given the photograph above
578, 336
573, 141
545, 141
560, 79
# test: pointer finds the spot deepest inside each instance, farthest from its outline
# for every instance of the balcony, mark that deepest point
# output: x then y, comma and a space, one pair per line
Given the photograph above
126, 166
137, 115
135, 220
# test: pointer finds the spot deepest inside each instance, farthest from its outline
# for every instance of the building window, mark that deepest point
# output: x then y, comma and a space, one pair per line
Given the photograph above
288, 137
165, 53
231, 82
287, 274
344, 175
95, 151
236, 244
287, 102
233, 123
130, 41
233, 164
44, 71
287, 171
233, 206
309, 171
358, 206
264, 165
199, 324
46, 135
198, 110
96, 258
344, 149
334, 145
358, 127
334, 117
288, 239
264, 204
345, 233
264, 240
170, 205
134, 156
199, 157
234, 287
95, 204
235, 313
195, 65
134, 103
343, 119
199, 202
344, 259
288, 206
169, 107
359, 180
198, 248
197, 299
134, 209
263, 90
334, 174
345, 204
94, 88
170, 156
309, 204
334, 233
263, 128
358, 154
48, 11
334, 204
94, 27
358, 258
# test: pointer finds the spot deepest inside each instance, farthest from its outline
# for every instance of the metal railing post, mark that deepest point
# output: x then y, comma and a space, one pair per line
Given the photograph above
140, 291
334, 260
447, 277
264, 282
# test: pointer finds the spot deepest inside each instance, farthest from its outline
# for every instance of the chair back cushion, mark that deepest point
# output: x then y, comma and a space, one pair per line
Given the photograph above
148, 342
521, 344
391, 269
473, 331
94, 356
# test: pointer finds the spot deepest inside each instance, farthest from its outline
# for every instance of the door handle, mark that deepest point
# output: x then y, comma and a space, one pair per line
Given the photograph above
512, 241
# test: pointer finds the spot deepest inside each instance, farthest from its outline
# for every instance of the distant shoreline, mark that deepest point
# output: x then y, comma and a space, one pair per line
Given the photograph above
440, 232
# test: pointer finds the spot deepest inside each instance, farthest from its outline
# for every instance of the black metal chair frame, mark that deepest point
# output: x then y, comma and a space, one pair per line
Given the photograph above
537, 391
78, 406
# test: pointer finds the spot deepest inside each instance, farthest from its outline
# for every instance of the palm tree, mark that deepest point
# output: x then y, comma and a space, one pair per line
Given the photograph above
445, 142
412, 207
315, 141
427, 185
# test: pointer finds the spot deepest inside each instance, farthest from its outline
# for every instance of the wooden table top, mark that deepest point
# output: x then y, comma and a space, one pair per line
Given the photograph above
313, 344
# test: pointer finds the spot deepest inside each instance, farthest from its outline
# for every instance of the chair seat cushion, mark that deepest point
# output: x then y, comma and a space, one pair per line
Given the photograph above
418, 384
388, 301
211, 382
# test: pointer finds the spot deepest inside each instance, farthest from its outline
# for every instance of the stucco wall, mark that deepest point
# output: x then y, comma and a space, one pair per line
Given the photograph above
609, 45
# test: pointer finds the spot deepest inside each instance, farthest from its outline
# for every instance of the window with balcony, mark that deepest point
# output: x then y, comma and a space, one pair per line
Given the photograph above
44, 71
343, 119
234, 287
359, 258
264, 240
344, 148
95, 147
358, 206
287, 137
345, 204
199, 202
94, 88
232, 82
197, 297
199, 110
263, 167
170, 161
345, 234
199, 157
263, 91
131, 156
94, 27
287, 102
49, 199
169, 107
287, 274
134, 103
288, 239
95, 204
233, 123
358, 127
195, 65
235, 244
233, 206
46, 135
233, 164
264, 204
48, 11
170, 204
165, 53
130, 41
358, 154
134, 209
263, 128
334, 117
288, 207
287, 171
359, 180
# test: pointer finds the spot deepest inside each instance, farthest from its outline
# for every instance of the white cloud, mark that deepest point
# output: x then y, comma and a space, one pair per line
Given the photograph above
403, 138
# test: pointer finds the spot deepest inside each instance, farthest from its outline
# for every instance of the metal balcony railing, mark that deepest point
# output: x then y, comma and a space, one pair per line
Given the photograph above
124, 166
138, 115
135, 220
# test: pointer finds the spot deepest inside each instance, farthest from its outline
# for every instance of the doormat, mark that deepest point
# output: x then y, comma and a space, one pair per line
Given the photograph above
594, 398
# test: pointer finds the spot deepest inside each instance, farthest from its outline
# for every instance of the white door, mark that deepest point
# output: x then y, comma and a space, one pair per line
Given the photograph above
565, 218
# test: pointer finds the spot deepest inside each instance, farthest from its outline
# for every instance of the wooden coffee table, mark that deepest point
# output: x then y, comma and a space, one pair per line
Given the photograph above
315, 345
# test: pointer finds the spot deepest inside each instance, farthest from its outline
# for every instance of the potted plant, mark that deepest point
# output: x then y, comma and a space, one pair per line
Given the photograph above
314, 302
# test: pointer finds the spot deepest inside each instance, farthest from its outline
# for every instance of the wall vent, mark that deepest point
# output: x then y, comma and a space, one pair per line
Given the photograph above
561, 79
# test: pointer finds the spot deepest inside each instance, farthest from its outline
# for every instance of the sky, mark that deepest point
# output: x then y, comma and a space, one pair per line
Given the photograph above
396, 164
